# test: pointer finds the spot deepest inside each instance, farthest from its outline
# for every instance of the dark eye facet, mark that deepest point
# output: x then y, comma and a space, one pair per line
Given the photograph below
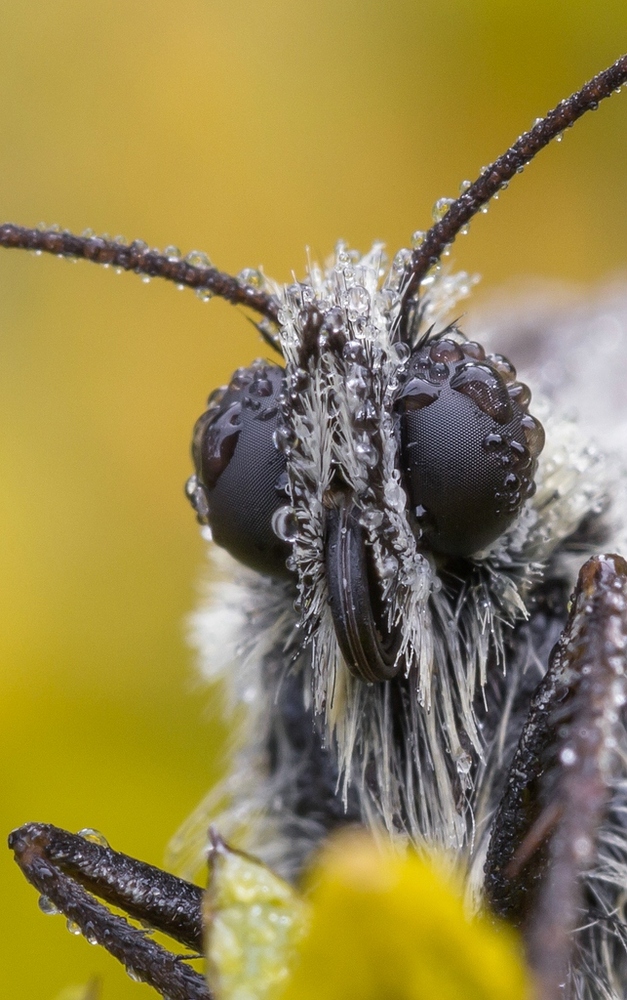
469, 448
239, 482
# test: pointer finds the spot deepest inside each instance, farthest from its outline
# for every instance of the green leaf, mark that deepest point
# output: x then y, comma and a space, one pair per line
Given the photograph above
253, 920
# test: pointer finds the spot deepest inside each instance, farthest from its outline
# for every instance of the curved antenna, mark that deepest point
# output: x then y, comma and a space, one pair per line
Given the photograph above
137, 257
499, 173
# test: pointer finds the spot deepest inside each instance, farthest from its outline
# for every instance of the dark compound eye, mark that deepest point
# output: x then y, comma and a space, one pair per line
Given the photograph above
469, 448
240, 475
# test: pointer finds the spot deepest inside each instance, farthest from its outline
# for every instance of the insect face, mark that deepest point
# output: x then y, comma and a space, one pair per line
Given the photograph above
455, 422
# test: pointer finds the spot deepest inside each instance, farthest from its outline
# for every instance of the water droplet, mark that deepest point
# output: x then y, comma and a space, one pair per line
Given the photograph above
417, 394
473, 350
388, 568
446, 350
354, 351
463, 187
371, 518
284, 439
356, 387
47, 906
334, 320
401, 261
438, 372
73, 927
204, 294
299, 380
197, 259
171, 252
487, 391
394, 495
418, 238
493, 442
618, 695
93, 836
285, 524
357, 302
133, 975
504, 367
190, 486
251, 276
520, 394
440, 208
534, 433
367, 452
582, 847
568, 757
463, 762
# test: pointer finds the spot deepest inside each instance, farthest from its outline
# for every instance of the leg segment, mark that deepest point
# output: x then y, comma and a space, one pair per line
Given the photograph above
545, 831
62, 866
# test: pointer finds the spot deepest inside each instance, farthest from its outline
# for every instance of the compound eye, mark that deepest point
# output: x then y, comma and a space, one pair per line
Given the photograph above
469, 447
240, 475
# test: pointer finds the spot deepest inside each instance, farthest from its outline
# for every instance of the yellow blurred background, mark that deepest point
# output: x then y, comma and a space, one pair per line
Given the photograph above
248, 130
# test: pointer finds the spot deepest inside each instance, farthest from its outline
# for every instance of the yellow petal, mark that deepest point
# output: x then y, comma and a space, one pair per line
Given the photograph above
386, 926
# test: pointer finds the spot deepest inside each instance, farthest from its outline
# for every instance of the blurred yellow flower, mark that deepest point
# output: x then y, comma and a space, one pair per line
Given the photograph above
384, 925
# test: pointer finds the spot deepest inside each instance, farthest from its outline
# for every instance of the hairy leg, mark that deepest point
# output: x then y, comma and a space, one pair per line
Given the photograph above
546, 831
63, 866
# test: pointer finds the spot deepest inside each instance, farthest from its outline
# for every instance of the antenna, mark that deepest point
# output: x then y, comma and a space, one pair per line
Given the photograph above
498, 175
137, 257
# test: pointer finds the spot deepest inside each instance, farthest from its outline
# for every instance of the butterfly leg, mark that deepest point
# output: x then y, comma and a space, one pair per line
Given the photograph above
69, 871
546, 832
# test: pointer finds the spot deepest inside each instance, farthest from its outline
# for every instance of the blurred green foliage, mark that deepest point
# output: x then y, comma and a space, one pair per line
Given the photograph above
249, 131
